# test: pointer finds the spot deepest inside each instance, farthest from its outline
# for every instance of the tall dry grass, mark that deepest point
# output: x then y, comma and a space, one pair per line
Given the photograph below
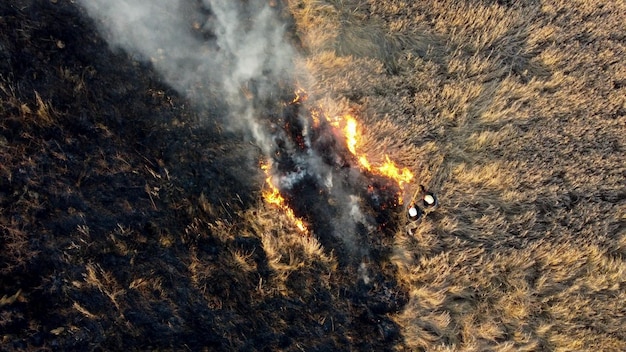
515, 113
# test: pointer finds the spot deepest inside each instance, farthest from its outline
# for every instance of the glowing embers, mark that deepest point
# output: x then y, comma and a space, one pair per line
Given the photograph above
272, 196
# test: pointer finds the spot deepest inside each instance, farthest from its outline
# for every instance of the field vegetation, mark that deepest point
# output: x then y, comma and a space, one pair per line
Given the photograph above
129, 220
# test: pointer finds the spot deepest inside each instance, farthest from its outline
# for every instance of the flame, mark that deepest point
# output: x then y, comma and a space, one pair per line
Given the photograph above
272, 196
300, 96
387, 169
351, 133
365, 163
390, 170
315, 115
348, 126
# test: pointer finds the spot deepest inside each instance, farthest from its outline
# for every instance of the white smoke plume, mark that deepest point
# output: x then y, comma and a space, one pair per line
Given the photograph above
246, 47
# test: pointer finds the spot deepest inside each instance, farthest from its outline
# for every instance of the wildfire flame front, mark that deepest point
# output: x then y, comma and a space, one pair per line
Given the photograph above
387, 169
344, 130
272, 196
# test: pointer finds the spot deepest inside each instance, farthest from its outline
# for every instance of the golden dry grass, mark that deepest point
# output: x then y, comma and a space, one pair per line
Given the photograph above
513, 113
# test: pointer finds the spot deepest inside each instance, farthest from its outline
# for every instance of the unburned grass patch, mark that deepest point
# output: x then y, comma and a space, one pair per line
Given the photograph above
511, 114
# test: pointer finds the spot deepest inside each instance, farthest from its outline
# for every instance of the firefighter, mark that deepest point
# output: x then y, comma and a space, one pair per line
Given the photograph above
426, 199
415, 213
429, 199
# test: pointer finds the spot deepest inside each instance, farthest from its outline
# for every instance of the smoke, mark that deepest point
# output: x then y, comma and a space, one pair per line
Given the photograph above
236, 53
219, 50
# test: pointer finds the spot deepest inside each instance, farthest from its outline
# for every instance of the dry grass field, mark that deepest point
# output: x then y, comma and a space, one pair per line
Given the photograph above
129, 222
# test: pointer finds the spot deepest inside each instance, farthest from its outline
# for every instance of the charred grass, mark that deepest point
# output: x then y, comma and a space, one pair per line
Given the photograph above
129, 221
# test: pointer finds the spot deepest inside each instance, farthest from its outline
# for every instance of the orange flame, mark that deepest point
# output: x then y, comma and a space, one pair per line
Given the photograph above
315, 115
388, 169
300, 96
349, 126
351, 133
272, 196
365, 163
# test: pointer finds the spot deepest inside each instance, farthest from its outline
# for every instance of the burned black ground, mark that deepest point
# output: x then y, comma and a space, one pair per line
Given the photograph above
118, 199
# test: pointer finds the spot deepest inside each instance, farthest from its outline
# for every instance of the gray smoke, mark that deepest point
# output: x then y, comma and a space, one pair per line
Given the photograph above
245, 49
230, 51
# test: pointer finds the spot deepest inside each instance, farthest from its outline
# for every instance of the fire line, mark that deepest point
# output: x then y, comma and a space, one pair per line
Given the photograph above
345, 131
272, 196
387, 169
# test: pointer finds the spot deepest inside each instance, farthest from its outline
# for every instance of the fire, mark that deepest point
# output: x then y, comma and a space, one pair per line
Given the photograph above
387, 169
344, 129
351, 133
315, 116
390, 170
272, 195
300, 96
365, 163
